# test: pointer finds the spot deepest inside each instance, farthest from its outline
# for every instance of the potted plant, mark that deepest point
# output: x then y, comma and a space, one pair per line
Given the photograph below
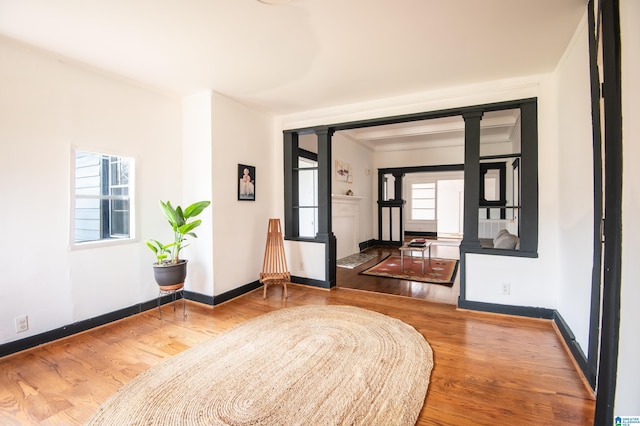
169, 269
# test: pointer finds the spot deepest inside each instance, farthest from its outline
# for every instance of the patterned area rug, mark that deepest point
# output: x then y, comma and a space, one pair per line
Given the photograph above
355, 260
438, 271
311, 365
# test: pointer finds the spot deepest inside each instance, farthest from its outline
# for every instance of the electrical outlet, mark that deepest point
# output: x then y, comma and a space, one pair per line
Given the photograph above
22, 324
506, 289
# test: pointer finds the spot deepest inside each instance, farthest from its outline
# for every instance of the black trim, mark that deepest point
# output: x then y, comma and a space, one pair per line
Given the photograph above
366, 244
198, 297
421, 234
232, 294
574, 347
471, 177
500, 252
423, 169
610, 335
310, 282
596, 271
521, 311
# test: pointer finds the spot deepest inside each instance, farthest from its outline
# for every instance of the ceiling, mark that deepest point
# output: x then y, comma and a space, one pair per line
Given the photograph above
305, 54
496, 127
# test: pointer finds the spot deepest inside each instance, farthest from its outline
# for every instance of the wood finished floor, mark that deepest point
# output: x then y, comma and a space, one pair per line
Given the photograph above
488, 369
351, 278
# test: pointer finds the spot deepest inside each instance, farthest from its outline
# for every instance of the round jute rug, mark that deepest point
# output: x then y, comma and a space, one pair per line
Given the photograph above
310, 365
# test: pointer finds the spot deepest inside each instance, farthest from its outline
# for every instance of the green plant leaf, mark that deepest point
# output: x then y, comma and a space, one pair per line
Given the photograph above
187, 227
196, 208
169, 213
179, 216
151, 246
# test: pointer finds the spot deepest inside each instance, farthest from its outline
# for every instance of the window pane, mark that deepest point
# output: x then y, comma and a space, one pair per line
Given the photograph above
308, 187
424, 204
423, 214
308, 222
423, 193
98, 178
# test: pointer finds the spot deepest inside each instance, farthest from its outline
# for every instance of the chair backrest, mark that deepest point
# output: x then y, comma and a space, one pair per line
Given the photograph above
274, 266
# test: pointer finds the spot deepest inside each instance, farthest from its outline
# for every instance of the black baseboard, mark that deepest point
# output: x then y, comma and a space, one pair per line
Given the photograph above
232, 294
388, 243
522, 311
575, 349
198, 297
310, 282
421, 234
366, 244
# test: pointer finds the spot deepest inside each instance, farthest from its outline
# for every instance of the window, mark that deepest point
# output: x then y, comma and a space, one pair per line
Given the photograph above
102, 197
307, 197
423, 201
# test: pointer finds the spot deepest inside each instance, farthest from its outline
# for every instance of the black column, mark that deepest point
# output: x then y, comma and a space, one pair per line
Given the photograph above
471, 178
291, 222
325, 232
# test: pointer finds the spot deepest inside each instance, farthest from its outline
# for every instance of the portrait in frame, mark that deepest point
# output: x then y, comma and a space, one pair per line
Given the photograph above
246, 183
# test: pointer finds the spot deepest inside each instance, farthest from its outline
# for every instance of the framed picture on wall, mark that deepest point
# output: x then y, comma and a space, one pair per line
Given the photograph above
246, 183
343, 171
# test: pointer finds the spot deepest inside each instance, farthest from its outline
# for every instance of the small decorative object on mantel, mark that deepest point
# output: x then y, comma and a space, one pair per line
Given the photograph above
349, 192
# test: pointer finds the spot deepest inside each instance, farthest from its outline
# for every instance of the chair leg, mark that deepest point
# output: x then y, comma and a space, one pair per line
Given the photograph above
286, 296
264, 293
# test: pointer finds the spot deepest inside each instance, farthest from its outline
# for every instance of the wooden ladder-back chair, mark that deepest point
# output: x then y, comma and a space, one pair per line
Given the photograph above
274, 267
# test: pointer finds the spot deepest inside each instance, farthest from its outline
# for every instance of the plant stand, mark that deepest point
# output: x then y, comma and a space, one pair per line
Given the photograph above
172, 290
274, 267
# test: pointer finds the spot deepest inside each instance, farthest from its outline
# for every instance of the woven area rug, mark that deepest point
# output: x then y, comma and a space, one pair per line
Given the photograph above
440, 271
310, 365
354, 260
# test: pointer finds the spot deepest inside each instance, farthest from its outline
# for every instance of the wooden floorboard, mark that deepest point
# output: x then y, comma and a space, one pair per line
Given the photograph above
351, 278
488, 369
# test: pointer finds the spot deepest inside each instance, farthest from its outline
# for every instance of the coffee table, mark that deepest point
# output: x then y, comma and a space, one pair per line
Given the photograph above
411, 249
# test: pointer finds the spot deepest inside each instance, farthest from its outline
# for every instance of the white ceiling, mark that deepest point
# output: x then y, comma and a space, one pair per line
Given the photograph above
306, 54
496, 127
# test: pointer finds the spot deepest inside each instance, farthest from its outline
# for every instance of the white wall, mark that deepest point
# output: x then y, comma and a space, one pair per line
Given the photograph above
361, 160
242, 135
47, 107
627, 401
575, 183
197, 186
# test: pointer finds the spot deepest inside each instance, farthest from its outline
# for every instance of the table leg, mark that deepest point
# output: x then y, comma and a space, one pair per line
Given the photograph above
402, 260
423, 261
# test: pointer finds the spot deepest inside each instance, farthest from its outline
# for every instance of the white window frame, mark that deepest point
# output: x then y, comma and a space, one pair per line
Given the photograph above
411, 183
75, 196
